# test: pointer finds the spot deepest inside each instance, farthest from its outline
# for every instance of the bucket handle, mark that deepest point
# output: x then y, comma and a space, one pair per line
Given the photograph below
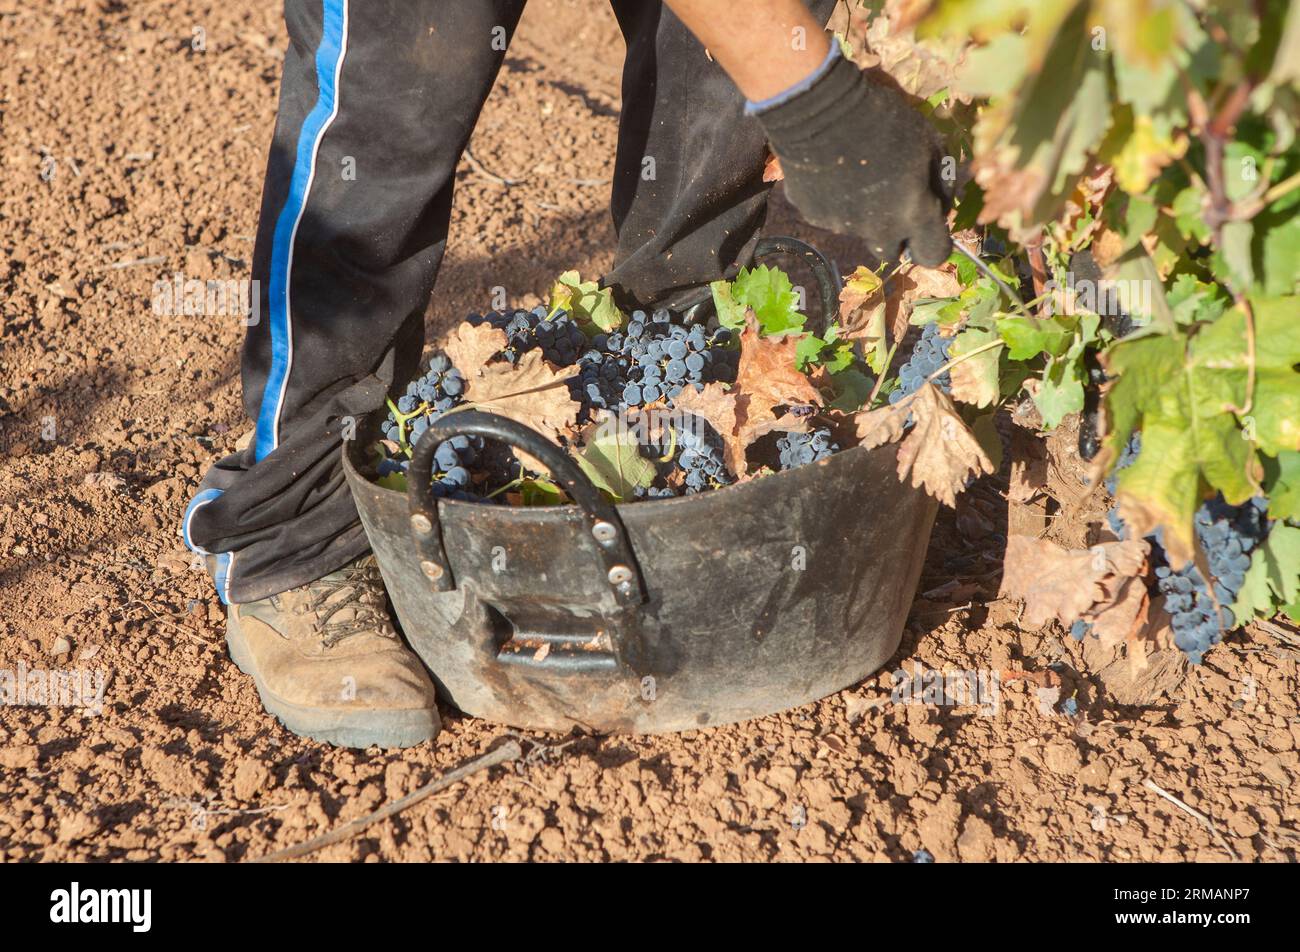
598, 516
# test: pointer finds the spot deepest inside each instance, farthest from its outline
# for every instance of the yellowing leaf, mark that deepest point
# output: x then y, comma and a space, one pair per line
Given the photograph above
1180, 389
1139, 149
975, 380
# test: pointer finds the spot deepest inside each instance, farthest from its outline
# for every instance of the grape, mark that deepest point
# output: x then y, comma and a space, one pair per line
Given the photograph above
699, 457
560, 339
800, 449
1126, 457
1227, 535
929, 354
438, 390
651, 360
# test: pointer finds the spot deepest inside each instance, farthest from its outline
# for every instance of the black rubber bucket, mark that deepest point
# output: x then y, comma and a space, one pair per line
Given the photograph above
660, 615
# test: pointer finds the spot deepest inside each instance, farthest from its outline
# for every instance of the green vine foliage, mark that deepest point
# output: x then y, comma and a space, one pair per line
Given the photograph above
1134, 167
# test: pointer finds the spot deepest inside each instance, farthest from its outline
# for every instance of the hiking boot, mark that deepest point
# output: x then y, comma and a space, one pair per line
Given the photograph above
328, 663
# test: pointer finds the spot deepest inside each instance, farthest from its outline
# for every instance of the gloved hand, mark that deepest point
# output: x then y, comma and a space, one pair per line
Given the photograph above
859, 160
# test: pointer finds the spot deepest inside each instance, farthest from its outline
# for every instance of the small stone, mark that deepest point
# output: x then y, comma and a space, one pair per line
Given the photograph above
975, 845
1062, 758
250, 777
62, 646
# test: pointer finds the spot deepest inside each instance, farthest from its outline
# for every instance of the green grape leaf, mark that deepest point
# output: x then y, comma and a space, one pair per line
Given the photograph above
1195, 301
613, 461
1278, 242
731, 313
1060, 392
540, 492
944, 310
1234, 256
591, 306
852, 388
1179, 389
1188, 208
1052, 336
773, 298
1282, 481
395, 481
1273, 578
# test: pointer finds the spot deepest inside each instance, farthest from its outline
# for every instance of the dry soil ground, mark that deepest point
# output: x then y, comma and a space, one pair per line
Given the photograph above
127, 156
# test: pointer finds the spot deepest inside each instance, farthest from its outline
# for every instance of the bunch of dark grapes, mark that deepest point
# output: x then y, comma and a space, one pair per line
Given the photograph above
560, 339
929, 354
440, 388
452, 462
1126, 457
654, 360
1227, 534
800, 449
699, 458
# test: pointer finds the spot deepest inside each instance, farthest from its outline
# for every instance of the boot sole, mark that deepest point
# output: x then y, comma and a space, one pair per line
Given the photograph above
341, 728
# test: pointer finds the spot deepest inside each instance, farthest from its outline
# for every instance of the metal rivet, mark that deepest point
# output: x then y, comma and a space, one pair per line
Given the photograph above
604, 532
431, 569
421, 524
619, 575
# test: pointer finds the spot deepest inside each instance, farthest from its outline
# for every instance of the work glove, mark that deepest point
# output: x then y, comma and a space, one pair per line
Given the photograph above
859, 160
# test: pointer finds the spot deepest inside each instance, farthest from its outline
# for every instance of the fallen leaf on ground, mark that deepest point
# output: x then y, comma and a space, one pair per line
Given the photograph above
1069, 584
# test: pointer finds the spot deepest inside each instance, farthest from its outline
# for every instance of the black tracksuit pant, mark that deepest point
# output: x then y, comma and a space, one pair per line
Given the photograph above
346, 263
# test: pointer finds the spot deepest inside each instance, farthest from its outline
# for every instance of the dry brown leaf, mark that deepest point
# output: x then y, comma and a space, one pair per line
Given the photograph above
716, 405
772, 171
941, 451
767, 379
911, 281
1120, 620
533, 392
920, 67
1071, 584
880, 426
1053, 582
471, 346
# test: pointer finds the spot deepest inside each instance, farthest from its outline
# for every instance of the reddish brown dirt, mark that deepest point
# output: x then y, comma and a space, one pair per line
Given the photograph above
110, 414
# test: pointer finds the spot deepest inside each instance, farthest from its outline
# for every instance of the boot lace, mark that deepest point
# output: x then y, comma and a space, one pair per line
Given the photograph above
362, 589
